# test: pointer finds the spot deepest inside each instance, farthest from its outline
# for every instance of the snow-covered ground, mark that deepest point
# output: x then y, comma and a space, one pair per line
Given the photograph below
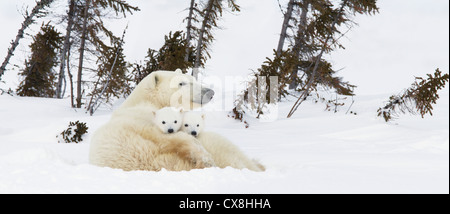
316, 151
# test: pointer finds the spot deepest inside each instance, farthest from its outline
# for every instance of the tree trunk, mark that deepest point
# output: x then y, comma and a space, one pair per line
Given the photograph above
301, 27
189, 29
300, 37
287, 18
305, 93
65, 48
92, 107
200, 38
82, 44
70, 79
25, 24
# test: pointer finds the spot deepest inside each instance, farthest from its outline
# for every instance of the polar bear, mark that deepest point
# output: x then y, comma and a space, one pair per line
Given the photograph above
223, 153
168, 119
226, 154
193, 123
130, 141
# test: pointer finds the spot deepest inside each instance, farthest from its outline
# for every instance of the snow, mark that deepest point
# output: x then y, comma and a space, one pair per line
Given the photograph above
315, 151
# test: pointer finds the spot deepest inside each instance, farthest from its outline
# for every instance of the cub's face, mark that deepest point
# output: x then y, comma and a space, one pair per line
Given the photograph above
193, 123
168, 120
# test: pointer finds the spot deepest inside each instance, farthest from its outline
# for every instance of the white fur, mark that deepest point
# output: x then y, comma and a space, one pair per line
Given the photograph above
130, 140
168, 119
225, 154
193, 123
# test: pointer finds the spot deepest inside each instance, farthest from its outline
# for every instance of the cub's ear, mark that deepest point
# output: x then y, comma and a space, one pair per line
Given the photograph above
178, 71
203, 116
181, 110
153, 80
154, 113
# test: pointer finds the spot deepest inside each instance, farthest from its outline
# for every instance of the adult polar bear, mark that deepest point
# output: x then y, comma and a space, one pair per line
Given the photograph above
130, 141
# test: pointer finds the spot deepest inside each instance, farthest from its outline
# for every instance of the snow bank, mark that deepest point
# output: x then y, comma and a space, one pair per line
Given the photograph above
314, 152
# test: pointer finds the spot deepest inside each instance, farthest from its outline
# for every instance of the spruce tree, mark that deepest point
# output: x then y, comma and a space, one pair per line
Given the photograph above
419, 98
39, 76
210, 15
318, 25
140, 71
261, 88
169, 57
112, 74
37, 12
324, 38
89, 33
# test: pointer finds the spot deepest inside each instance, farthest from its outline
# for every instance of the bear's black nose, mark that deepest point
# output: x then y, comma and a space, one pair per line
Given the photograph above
170, 130
194, 133
207, 95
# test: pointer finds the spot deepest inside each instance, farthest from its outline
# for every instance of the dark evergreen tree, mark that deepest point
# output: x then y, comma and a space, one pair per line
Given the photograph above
170, 56
419, 98
39, 76
113, 79
140, 71
321, 36
259, 94
318, 25
37, 12
89, 32
210, 15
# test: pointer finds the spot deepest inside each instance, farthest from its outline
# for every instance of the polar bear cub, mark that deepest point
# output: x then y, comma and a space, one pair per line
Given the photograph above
193, 123
168, 119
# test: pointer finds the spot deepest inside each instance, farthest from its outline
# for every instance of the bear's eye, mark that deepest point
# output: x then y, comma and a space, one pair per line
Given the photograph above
198, 125
163, 122
175, 122
186, 125
182, 83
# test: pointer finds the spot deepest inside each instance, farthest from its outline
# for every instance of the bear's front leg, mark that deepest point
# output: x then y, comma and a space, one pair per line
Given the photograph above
187, 148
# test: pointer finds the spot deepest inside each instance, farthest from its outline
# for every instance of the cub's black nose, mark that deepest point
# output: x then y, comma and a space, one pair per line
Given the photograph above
194, 133
170, 130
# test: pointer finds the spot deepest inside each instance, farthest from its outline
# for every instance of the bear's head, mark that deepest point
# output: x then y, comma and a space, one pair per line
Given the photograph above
169, 89
168, 119
193, 123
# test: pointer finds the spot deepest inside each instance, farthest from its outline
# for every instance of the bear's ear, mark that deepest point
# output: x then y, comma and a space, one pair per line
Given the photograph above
181, 110
203, 116
154, 113
153, 80
178, 71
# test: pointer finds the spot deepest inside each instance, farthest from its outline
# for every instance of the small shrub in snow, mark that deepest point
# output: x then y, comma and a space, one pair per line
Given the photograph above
74, 133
